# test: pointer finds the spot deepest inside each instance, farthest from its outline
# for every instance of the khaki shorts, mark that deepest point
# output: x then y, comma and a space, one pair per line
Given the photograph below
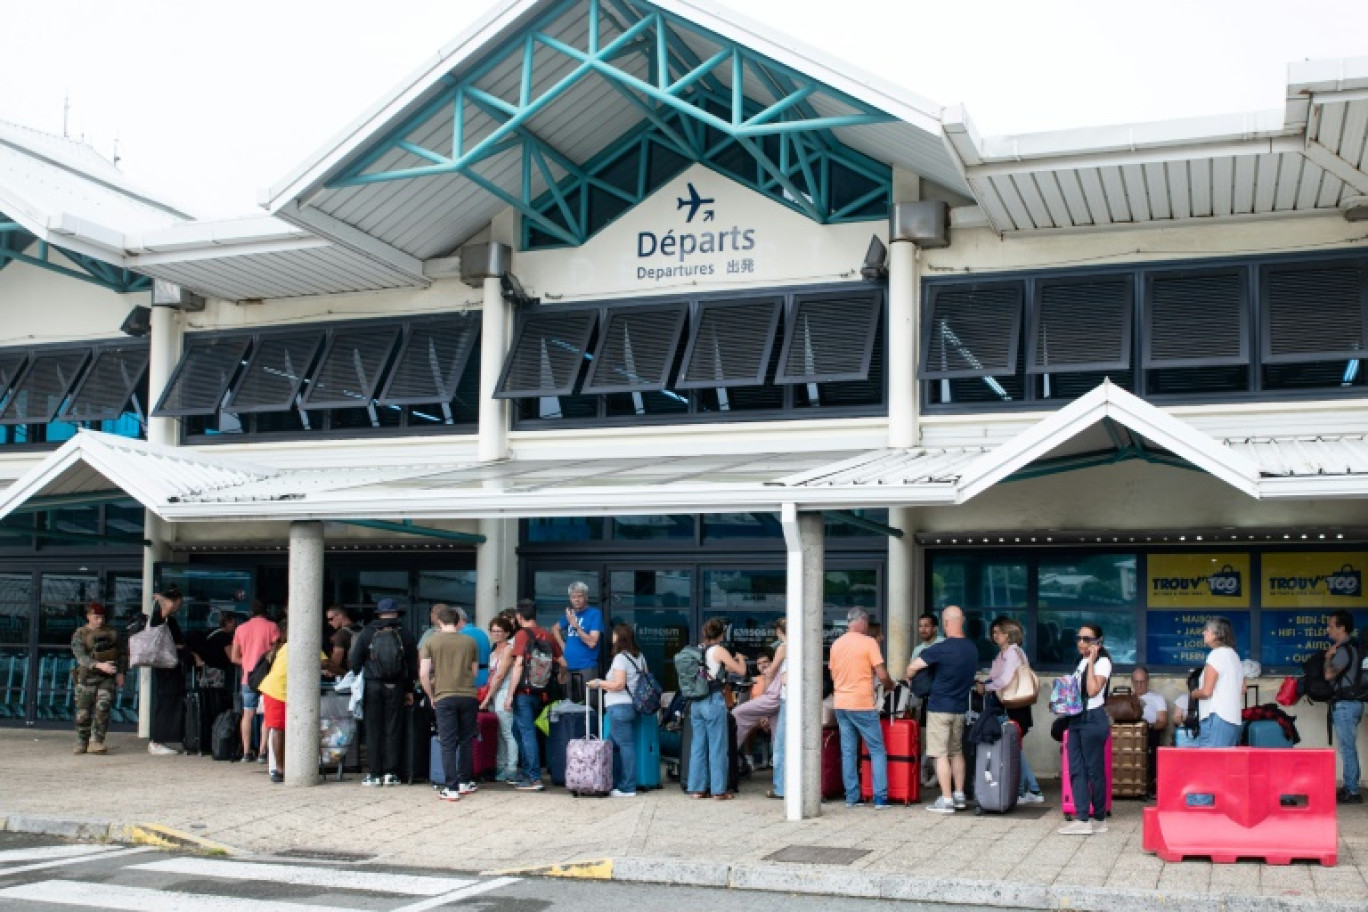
944, 734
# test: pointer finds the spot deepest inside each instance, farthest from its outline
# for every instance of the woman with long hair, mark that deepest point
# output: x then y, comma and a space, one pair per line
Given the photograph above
1007, 634
709, 760
627, 667
501, 631
1088, 734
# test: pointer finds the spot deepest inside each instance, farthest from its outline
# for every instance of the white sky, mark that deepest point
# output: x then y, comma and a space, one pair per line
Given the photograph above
210, 101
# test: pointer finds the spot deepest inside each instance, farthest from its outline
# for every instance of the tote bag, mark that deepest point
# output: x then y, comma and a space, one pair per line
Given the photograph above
153, 647
1023, 689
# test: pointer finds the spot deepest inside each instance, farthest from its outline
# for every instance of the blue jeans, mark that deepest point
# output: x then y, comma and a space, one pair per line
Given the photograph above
1217, 732
1346, 716
525, 710
856, 724
1029, 783
779, 751
1088, 733
708, 749
623, 730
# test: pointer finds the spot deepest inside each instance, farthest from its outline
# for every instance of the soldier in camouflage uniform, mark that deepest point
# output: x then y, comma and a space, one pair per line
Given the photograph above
101, 660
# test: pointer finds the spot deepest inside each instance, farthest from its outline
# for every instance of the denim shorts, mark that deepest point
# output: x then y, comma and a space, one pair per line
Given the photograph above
250, 699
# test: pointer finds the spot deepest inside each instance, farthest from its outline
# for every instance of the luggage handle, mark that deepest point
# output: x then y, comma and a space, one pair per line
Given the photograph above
588, 731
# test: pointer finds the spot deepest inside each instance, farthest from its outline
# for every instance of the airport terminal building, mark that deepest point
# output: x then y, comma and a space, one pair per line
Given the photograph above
648, 296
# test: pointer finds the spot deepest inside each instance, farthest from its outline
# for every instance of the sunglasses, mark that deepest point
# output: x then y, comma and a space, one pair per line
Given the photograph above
1083, 639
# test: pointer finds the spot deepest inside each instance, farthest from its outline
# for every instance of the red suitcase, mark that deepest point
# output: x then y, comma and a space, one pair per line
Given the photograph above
833, 788
902, 741
1066, 785
486, 745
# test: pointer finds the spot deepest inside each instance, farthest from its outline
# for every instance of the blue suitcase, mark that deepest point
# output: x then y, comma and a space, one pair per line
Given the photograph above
567, 727
647, 750
1266, 733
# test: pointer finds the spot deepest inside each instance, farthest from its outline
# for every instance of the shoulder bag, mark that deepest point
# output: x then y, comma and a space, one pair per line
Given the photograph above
153, 647
1024, 687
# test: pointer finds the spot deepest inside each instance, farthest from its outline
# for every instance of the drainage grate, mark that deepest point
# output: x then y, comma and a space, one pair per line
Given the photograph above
319, 855
831, 855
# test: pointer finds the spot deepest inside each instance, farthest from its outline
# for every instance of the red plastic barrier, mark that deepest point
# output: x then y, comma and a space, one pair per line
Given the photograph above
1267, 804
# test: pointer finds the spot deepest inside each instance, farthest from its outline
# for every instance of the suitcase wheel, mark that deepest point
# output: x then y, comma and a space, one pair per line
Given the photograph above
978, 812
1068, 817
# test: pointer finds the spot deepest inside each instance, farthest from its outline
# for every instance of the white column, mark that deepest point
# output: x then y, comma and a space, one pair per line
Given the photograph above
493, 347
164, 344
904, 293
904, 589
489, 570
306, 642
804, 538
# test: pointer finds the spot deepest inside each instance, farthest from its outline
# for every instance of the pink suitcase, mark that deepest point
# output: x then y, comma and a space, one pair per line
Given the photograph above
1066, 799
486, 745
589, 762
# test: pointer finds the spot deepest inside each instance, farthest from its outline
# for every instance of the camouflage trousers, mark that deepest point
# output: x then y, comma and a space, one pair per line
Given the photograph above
93, 701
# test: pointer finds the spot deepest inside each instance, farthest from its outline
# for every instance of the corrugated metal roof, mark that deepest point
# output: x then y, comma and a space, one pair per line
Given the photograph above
1292, 457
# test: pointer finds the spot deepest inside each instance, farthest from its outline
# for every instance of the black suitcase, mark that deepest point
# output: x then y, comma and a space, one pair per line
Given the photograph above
567, 727
193, 739
417, 742
733, 755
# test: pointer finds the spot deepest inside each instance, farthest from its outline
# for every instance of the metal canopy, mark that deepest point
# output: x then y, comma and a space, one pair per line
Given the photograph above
15, 241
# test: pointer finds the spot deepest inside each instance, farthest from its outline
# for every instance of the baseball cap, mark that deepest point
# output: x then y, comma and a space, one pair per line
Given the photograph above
97, 608
387, 606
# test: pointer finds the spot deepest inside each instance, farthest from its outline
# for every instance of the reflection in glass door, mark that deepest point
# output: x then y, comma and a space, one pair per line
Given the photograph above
658, 604
61, 610
16, 596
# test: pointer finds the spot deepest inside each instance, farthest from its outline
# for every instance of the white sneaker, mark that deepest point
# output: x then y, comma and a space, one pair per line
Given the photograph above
1077, 828
941, 805
467, 788
1099, 826
390, 779
617, 794
1031, 798
959, 801
161, 750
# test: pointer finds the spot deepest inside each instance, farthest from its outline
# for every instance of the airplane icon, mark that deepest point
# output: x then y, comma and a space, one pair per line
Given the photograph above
695, 202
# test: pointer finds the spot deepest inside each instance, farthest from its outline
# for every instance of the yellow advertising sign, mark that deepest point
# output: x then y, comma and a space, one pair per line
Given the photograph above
1204, 580
1328, 579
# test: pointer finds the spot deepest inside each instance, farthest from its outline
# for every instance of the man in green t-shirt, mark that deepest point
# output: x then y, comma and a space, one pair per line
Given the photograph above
448, 663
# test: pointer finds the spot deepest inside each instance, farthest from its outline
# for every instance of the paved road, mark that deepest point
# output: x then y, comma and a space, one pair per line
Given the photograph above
39, 874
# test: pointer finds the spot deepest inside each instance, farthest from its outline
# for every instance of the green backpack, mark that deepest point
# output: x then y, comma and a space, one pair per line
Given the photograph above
691, 665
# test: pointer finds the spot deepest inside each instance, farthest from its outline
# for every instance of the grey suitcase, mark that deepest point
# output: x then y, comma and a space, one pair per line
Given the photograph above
589, 762
997, 771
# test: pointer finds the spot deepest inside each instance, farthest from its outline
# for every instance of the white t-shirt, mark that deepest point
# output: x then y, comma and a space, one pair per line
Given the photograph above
1228, 698
1102, 668
633, 666
1154, 705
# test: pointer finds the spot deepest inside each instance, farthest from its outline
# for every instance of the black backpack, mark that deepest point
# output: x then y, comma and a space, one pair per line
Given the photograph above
1317, 688
385, 661
260, 670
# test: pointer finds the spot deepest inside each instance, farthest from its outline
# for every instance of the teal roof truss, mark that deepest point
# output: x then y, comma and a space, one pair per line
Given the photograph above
700, 98
16, 241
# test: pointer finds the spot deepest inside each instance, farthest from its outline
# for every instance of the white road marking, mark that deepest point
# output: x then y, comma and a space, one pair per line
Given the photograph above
472, 890
63, 862
308, 876
141, 899
54, 851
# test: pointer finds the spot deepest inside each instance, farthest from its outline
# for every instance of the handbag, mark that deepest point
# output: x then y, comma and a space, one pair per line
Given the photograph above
1287, 693
153, 647
1023, 689
1124, 706
1066, 698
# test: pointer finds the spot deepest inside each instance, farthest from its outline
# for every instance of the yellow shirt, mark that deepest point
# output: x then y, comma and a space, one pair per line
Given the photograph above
276, 682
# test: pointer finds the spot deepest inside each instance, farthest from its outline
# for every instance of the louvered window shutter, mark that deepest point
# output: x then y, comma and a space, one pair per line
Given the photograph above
43, 386
11, 365
1081, 326
1314, 314
350, 370
1197, 320
829, 340
108, 385
636, 348
275, 374
547, 354
972, 332
200, 381
730, 344
432, 360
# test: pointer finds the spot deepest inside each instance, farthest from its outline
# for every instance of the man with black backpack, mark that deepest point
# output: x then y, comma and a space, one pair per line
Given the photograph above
537, 661
385, 651
1343, 669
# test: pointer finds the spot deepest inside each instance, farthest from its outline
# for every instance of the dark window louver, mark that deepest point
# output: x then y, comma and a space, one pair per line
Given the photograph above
972, 332
200, 381
432, 360
108, 385
1314, 315
636, 349
350, 370
274, 375
1081, 326
547, 354
43, 386
829, 340
1197, 320
730, 344
11, 364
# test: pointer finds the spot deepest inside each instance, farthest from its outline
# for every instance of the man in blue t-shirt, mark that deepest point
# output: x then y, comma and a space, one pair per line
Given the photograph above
579, 633
953, 662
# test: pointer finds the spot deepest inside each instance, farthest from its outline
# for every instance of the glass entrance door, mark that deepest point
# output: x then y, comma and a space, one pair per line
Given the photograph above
659, 606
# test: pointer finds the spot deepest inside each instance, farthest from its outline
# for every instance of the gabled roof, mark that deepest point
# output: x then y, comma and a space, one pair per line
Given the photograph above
1306, 158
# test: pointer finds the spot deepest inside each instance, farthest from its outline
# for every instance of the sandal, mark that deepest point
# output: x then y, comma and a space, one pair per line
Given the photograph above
725, 796
698, 795
773, 794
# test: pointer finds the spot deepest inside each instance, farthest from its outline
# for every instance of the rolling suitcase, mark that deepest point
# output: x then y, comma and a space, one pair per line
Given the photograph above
436, 770
486, 745
833, 784
733, 756
1066, 798
647, 749
997, 771
416, 749
227, 738
565, 727
194, 738
589, 762
1266, 733
1130, 760
902, 743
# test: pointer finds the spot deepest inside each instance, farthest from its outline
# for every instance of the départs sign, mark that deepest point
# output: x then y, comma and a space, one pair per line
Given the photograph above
699, 246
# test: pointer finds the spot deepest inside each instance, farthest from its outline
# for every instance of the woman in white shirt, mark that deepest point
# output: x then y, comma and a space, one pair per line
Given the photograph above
1088, 734
628, 665
1220, 697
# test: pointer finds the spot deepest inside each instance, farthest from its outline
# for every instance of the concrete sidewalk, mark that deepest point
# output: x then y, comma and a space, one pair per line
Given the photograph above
1012, 861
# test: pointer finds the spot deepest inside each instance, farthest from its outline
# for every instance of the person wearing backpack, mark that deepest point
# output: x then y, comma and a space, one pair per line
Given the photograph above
618, 690
251, 641
385, 651
710, 747
537, 660
1343, 669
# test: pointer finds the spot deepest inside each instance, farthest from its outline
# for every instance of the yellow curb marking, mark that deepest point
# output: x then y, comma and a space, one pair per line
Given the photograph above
164, 837
601, 869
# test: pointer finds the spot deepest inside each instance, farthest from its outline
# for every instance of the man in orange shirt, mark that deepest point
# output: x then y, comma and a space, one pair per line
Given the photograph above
855, 662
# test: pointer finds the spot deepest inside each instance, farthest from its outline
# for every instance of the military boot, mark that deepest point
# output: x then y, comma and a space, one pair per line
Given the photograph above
80, 747
97, 747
